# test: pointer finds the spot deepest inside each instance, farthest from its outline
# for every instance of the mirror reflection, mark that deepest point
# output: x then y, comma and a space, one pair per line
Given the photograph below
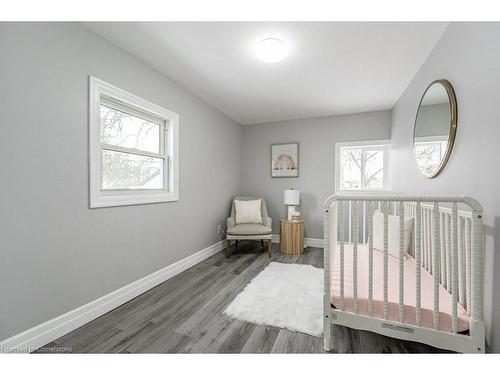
435, 127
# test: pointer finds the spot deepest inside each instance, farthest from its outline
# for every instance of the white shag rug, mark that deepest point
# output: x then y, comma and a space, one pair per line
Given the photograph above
283, 295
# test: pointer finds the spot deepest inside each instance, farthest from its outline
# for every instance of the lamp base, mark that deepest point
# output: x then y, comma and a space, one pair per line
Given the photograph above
291, 212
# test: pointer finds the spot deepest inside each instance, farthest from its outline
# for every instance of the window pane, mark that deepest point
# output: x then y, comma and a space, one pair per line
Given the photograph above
122, 129
127, 171
350, 168
374, 169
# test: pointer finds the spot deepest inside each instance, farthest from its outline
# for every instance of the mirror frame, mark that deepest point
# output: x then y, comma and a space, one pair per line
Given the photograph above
453, 125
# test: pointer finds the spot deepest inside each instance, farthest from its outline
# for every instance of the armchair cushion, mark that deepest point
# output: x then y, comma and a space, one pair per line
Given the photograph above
248, 211
248, 229
263, 208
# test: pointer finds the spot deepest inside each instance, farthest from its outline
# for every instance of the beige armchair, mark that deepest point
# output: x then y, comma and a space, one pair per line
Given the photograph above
262, 232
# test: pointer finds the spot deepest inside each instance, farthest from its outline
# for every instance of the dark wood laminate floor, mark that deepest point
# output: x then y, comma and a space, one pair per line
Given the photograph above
185, 315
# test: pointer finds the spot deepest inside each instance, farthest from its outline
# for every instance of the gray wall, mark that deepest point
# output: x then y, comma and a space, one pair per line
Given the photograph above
316, 138
56, 253
468, 56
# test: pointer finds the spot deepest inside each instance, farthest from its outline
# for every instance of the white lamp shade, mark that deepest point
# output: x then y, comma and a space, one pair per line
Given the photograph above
291, 197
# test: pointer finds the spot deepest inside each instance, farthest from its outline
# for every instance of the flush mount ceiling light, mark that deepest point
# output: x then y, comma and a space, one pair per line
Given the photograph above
271, 50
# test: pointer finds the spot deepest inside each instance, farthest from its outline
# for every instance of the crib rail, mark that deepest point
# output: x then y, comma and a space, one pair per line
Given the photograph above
446, 241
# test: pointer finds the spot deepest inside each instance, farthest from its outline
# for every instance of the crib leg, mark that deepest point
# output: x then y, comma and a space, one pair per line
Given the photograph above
327, 324
477, 331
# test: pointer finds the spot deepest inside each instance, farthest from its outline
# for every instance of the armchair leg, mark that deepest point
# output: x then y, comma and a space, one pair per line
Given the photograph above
228, 249
270, 247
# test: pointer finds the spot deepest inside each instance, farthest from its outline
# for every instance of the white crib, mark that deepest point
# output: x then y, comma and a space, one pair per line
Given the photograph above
446, 243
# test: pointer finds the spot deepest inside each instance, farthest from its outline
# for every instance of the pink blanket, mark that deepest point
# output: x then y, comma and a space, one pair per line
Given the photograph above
427, 288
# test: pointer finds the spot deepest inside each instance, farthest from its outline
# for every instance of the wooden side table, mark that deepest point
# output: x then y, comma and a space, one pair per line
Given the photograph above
292, 236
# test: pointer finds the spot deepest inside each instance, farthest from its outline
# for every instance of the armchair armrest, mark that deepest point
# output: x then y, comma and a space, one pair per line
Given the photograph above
230, 222
268, 222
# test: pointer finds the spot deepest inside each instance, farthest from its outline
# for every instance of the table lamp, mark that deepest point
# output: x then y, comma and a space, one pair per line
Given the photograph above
292, 198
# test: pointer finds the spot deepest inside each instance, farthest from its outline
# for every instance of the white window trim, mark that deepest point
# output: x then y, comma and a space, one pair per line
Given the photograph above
109, 198
383, 142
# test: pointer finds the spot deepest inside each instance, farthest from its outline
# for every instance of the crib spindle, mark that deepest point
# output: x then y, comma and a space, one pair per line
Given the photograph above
370, 258
401, 262
435, 263
424, 237
418, 261
429, 241
454, 273
355, 256
363, 241
447, 225
386, 261
442, 250
468, 261
349, 205
340, 219
461, 263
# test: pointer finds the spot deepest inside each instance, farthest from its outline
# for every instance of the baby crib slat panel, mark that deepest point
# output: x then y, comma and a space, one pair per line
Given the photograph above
370, 258
340, 219
401, 261
418, 261
355, 257
386, 262
435, 263
468, 267
454, 276
446, 242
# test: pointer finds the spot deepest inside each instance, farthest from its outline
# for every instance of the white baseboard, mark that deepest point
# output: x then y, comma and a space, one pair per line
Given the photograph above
314, 242
311, 242
47, 332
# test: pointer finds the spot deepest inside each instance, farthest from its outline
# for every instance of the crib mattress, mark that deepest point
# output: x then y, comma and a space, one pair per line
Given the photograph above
427, 289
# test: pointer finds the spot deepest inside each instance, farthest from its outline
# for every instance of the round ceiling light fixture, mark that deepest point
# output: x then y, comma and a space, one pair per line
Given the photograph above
271, 50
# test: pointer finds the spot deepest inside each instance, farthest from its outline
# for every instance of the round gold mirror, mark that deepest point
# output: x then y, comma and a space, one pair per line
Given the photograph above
435, 128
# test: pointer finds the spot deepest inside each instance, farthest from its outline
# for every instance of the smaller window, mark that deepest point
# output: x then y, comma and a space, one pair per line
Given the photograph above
362, 165
133, 149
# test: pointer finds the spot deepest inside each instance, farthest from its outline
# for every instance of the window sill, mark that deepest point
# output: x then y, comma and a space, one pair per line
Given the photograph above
363, 191
129, 200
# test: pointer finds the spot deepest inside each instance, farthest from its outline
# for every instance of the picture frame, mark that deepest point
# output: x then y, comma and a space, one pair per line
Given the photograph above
285, 160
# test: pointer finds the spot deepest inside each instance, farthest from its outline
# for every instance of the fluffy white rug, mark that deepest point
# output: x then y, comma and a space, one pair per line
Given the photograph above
283, 295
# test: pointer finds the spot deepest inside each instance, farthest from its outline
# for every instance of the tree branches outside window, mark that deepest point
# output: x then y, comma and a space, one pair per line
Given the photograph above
361, 168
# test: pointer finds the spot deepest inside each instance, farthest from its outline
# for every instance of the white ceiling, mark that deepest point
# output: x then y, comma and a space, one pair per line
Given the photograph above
331, 68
